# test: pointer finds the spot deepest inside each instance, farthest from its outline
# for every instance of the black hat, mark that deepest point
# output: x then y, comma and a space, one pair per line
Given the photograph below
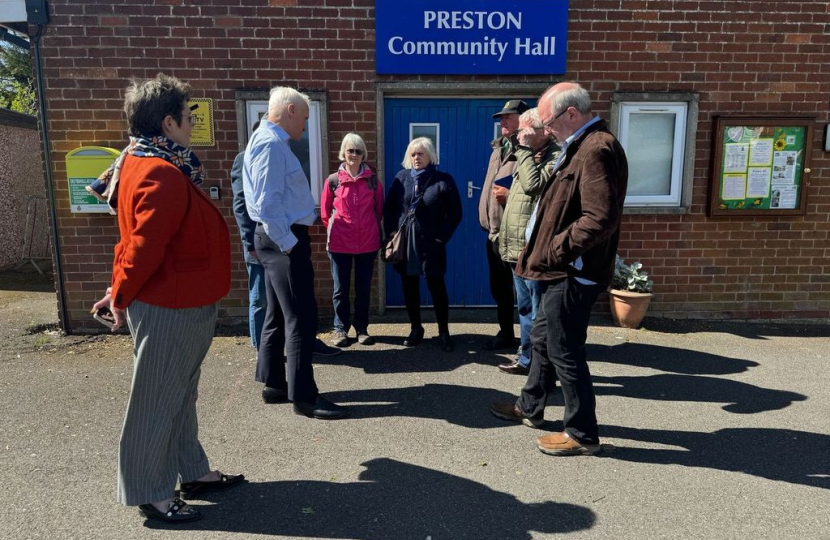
514, 106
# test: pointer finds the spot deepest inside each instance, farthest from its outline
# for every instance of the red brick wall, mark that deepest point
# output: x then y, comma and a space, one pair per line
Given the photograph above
762, 58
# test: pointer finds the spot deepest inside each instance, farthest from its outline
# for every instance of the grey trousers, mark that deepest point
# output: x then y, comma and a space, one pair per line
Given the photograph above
160, 438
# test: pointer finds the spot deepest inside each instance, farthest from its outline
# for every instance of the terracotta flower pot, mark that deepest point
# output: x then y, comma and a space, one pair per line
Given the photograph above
628, 308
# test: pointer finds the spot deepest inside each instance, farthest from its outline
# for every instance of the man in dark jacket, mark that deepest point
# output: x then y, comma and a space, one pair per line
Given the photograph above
490, 209
256, 284
575, 231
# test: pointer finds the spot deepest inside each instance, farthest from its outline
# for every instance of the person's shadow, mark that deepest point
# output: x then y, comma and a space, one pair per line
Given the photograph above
740, 398
465, 406
797, 457
391, 500
668, 359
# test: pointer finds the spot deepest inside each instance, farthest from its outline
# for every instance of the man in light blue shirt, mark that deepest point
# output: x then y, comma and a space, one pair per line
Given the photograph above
279, 200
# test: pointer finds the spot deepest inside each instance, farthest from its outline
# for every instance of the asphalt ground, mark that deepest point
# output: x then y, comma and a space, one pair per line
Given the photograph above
709, 431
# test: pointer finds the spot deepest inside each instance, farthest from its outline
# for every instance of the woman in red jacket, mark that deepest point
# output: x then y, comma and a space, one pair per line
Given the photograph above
171, 268
351, 207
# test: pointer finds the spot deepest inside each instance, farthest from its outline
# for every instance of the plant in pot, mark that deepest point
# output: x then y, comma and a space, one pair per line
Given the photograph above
630, 294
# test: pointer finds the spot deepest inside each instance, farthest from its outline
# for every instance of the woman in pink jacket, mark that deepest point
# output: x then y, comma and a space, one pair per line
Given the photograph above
351, 207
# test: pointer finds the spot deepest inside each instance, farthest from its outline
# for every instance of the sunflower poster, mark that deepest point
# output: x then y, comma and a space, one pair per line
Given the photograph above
759, 168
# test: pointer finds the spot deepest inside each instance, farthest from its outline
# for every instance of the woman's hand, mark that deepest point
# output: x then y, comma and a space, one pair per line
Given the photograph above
119, 314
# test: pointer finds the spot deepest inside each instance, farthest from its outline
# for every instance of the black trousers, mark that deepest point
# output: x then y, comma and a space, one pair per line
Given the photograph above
290, 326
501, 287
440, 301
558, 339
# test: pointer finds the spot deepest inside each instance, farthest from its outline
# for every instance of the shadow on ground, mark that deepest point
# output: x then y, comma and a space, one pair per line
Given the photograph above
683, 385
459, 405
391, 500
669, 359
26, 280
817, 328
740, 398
797, 457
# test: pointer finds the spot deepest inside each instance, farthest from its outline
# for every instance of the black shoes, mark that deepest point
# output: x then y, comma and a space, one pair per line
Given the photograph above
274, 395
190, 490
364, 338
177, 512
446, 342
321, 409
321, 349
416, 335
500, 342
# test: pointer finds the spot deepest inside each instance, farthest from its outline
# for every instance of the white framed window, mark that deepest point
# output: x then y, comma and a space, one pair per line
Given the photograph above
654, 137
309, 150
431, 131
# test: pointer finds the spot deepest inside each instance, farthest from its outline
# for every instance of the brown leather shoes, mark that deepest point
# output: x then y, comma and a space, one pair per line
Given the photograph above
514, 368
561, 444
511, 413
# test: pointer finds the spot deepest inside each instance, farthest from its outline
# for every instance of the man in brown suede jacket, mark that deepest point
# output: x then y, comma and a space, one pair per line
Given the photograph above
573, 237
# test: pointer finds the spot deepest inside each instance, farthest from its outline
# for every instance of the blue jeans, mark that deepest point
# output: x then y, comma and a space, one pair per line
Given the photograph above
528, 295
257, 301
341, 272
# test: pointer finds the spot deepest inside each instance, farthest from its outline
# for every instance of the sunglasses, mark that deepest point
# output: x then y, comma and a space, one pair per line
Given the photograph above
355, 151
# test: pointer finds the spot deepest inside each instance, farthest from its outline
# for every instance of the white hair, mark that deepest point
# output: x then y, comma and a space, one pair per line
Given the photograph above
576, 97
351, 140
281, 97
531, 117
425, 145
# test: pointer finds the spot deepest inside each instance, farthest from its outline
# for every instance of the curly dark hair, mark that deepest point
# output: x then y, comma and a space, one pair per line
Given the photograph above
149, 101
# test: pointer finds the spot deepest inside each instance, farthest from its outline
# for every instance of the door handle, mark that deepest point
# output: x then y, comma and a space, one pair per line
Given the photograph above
470, 188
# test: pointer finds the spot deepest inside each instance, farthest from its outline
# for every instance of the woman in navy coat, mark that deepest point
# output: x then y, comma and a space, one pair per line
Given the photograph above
431, 198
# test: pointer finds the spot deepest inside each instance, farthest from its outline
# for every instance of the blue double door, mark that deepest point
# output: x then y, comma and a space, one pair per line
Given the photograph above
462, 130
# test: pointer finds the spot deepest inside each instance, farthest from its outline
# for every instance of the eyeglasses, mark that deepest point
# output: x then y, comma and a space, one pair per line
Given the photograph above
552, 120
192, 120
355, 151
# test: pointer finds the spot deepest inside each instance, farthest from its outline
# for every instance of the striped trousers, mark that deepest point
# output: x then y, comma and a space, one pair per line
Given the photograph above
160, 438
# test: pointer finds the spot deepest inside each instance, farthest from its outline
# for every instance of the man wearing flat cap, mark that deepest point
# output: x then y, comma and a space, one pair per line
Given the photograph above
490, 209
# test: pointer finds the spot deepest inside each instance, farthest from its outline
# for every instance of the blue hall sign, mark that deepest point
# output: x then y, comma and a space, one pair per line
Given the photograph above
471, 37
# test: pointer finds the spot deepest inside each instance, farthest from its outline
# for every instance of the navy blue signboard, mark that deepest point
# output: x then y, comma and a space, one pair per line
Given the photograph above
471, 37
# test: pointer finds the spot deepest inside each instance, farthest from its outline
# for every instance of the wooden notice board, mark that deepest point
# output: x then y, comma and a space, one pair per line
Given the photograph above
761, 166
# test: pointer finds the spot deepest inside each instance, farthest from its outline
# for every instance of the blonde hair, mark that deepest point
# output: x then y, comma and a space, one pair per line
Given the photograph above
351, 140
421, 143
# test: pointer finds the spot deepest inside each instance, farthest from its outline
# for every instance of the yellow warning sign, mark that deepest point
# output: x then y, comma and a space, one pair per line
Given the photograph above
202, 134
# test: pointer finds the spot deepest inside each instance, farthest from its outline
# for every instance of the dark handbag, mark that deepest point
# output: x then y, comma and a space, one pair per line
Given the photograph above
394, 250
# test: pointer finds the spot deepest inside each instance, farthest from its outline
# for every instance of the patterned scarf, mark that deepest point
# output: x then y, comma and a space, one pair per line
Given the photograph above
105, 188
